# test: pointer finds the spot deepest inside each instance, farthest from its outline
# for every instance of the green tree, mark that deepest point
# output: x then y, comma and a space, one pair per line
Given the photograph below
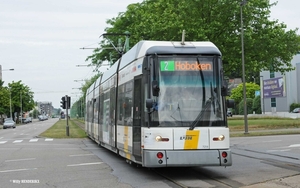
21, 98
238, 92
35, 113
266, 42
257, 105
4, 100
249, 106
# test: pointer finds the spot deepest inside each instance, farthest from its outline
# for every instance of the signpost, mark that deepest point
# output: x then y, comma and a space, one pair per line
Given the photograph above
65, 104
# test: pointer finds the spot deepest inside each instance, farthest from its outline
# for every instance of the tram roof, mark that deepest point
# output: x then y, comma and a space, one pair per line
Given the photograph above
144, 47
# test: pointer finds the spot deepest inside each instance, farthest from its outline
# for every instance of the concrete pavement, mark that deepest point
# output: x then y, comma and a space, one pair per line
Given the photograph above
293, 181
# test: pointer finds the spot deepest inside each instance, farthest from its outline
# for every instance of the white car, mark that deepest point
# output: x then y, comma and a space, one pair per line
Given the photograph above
9, 124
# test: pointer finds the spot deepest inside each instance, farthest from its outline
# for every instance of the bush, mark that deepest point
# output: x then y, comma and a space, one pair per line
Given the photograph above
257, 105
249, 106
293, 106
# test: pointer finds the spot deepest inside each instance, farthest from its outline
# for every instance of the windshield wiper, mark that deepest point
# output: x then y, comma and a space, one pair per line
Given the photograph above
177, 109
201, 114
193, 125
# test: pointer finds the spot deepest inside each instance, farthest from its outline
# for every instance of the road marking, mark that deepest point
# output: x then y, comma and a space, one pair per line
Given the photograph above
1, 137
83, 164
278, 150
15, 160
3, 142
48, 139
33, 140
79, 155
18, 141
273, 141
16, 170
294, 145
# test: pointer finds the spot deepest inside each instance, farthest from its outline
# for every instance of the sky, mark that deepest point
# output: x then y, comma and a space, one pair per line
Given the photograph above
42, 40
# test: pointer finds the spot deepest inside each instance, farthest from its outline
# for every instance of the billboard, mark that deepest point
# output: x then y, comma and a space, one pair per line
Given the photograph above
274, 87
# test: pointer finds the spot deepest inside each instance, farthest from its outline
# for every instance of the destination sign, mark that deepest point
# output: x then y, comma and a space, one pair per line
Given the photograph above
185, 66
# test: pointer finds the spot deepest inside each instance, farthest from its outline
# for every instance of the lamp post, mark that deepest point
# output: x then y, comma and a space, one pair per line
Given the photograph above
243, 67
10, 103
4, 70
262, 94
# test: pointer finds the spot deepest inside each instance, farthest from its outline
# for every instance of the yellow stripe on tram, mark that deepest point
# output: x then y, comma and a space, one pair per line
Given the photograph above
126, 142
191, 139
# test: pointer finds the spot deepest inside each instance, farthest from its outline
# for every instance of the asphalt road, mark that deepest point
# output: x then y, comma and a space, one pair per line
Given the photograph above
27, 160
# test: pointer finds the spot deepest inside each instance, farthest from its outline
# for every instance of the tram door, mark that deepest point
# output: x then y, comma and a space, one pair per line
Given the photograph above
137, 112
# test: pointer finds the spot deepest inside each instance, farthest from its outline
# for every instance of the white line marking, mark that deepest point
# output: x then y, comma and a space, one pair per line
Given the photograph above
33, 140
18, 141
48, 139
79, 155
3, 142
20, 160
83, 164
16, 170
273, 141
278, 150
294, 145
1, 137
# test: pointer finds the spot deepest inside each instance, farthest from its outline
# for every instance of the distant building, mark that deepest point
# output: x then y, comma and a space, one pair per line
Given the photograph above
45, 108
279, 91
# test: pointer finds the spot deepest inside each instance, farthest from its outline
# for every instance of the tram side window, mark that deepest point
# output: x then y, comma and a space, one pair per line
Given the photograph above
125, 104
128, 103
101, 109
121, 100
112, 105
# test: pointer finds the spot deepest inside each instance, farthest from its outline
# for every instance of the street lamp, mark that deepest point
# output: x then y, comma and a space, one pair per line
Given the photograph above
10, 103
4, 70
262, 93
243, 67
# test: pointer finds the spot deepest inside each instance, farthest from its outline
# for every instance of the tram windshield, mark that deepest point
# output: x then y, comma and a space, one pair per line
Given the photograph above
190, 92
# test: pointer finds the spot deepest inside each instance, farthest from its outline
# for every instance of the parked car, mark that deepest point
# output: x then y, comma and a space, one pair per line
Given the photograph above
42, 117
27, 120
296, 110
9, 123
229, 113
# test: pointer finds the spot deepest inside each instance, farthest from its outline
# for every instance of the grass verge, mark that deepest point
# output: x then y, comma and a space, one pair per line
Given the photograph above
58, 130
237, 124
256, 126
264, 126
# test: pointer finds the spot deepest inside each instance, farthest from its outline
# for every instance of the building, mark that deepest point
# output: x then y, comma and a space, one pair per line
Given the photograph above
279, 91
45, 108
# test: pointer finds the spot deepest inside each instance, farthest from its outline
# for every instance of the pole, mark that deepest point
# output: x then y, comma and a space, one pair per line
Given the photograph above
10, 103
21, 108
243, 67
262, 94
66, 105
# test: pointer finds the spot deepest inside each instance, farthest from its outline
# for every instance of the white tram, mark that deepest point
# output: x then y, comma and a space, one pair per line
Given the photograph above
162, 104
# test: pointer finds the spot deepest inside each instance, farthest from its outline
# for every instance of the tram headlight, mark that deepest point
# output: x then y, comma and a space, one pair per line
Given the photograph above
219, 138
161, 139
158, 138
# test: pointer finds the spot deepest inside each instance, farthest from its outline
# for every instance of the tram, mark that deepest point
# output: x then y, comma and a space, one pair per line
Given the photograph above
162, 104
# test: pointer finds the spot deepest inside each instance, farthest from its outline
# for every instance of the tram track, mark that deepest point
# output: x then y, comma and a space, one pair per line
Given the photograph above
278, 160
192, 177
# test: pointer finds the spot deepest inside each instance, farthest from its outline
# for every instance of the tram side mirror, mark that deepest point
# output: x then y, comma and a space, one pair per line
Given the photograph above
230, 103
155, 88
224, 89
149, 103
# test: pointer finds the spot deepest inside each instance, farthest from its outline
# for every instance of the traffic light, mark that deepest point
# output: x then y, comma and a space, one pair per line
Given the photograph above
68, 102
63, 102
